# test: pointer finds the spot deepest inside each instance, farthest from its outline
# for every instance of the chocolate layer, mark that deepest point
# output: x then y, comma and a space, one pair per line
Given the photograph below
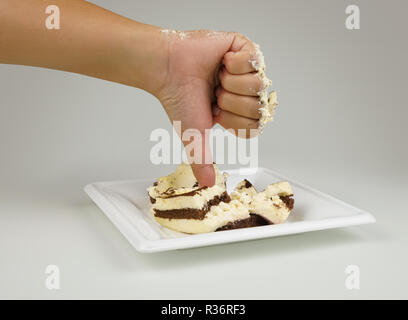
189, 213
254, 220
289, 201
247, 184
186, 194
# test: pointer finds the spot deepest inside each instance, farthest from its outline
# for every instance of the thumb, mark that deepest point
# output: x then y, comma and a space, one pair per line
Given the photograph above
204, 170
196, 123
204, 174
197, 147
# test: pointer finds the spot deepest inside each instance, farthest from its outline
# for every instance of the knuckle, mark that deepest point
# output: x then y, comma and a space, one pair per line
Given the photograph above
240, 36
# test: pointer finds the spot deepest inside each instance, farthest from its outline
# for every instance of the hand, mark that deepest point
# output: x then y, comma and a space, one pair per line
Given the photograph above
200, 77
210, 79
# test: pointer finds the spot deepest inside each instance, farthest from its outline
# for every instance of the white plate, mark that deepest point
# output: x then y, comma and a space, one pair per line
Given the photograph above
126, 204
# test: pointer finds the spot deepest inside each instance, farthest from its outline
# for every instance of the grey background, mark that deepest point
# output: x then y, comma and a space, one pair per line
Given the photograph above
340, 128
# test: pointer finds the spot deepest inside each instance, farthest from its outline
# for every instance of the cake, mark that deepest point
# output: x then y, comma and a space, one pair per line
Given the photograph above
178, 195
180, 204
274, 204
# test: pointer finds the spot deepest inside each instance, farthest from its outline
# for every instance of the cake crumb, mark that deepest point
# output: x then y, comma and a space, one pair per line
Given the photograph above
267, 100
180, 34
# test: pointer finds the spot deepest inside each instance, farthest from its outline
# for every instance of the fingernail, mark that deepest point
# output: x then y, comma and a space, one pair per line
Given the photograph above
207, 176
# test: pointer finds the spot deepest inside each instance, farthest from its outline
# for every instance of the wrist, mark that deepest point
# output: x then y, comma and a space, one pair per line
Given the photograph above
146, 65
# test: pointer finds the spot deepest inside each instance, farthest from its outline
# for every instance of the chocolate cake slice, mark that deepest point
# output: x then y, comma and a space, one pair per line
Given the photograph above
217, 217
190, 213
180, 204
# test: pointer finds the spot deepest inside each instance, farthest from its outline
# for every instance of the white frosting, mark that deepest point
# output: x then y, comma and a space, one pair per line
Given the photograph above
181, 181
243, 194
197, 201
271, 208
280, 189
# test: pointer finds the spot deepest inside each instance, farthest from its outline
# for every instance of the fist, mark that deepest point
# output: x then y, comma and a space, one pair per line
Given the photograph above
211, 77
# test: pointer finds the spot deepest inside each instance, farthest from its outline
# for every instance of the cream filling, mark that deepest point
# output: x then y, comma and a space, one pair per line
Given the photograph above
217, 217
272, 209
197, 201
282, 188
182, 180
243, 194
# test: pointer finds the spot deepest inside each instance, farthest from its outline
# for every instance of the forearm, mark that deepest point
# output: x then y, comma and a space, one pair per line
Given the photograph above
91, 41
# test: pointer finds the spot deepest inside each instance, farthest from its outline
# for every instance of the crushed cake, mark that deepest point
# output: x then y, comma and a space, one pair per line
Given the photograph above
180, 204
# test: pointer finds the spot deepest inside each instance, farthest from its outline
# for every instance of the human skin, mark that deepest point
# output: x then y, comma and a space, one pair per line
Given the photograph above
200, 77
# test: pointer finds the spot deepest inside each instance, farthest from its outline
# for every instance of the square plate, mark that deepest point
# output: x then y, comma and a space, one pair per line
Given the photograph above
127, 205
